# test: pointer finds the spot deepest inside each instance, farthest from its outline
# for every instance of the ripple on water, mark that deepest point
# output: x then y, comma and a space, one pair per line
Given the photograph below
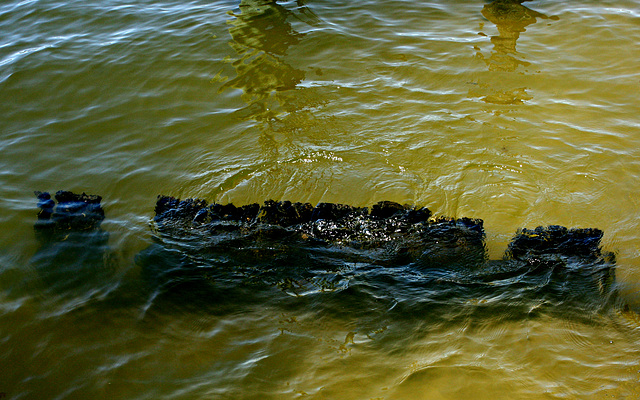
431, 103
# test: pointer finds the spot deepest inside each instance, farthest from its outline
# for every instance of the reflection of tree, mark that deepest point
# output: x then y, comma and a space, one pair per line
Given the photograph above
511, 18
261, 36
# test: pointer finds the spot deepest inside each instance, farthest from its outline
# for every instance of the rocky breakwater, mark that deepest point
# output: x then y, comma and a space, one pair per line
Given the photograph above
73, 246
386, 259
403, 252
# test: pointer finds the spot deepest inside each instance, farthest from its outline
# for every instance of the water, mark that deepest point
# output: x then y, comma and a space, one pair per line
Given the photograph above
521, 115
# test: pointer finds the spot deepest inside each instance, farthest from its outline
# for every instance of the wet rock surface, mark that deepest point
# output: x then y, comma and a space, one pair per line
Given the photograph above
389, 233
366, 260
554, 239
339, 248
72, 213
329, 222
73, 246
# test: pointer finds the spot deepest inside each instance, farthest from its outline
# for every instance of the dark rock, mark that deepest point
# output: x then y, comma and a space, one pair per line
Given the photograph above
421, 265
386, 209
394, 231
284, 213
295, 242
73, 247
555, 239
572, 258
334, 212
73, 212
45, 204
201, 216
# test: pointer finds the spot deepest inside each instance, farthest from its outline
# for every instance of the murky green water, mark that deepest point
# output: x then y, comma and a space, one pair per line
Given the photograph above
519, 114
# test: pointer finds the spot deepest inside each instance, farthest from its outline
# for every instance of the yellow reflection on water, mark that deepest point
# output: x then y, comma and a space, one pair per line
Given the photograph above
511, 18
261, 37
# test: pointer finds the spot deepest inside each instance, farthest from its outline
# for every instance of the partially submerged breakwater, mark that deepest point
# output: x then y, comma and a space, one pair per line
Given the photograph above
214, 253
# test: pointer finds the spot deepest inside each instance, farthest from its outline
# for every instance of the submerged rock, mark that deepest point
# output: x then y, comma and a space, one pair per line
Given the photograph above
389, 256
73, 213
337, 247
73, 246
556, 240
570, 261
389, 233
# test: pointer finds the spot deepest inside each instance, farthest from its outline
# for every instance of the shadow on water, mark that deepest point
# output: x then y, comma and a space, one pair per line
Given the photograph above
511, 18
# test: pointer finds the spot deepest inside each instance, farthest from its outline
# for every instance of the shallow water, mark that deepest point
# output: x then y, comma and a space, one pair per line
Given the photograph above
522, 115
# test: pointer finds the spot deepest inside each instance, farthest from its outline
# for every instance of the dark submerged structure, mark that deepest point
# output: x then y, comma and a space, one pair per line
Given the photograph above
73, 213
73, 247
389, 260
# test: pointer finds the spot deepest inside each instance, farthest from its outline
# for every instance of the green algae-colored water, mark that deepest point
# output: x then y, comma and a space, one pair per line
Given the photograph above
519, 114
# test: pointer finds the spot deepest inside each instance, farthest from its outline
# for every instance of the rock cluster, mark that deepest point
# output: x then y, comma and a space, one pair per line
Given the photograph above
73, 213
204, 248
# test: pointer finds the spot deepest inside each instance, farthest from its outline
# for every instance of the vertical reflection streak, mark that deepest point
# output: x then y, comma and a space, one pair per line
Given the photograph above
261, 37
511, 19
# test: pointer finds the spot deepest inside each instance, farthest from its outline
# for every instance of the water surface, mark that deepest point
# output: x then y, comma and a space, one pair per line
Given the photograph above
519, 114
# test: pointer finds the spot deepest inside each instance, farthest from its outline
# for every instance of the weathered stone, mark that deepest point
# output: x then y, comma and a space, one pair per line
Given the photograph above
73, 212
555, 239
73, 246
284, 213
214, 252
